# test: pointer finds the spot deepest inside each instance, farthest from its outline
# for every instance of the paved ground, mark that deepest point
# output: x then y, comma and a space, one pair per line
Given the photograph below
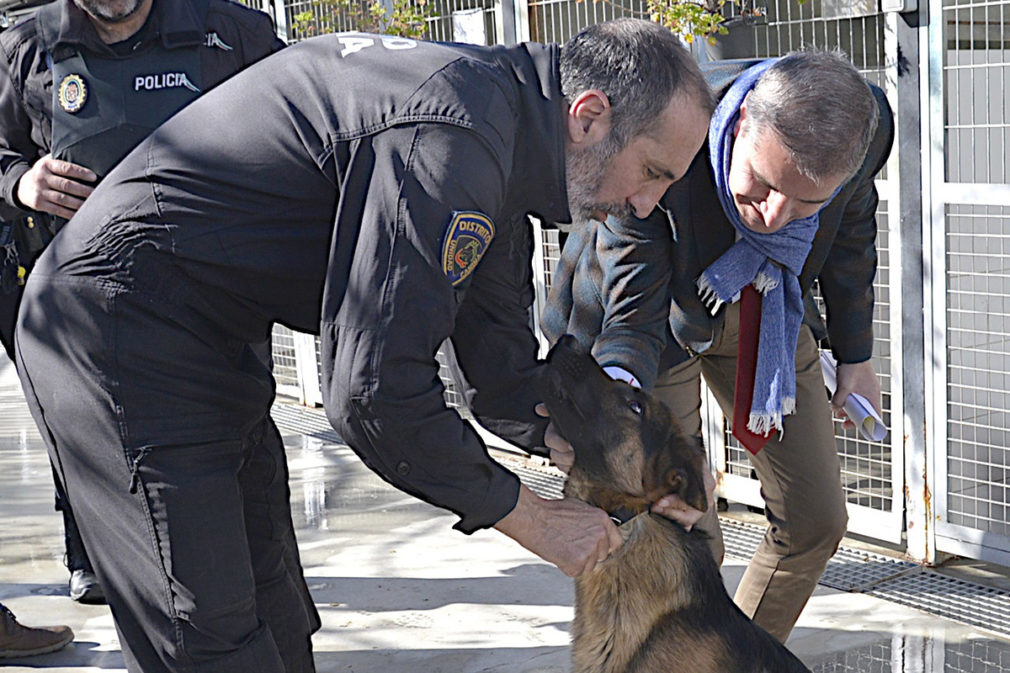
400, 592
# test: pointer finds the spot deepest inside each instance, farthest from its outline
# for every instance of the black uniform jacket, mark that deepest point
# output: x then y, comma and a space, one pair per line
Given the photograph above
621, 284
331, 187
26, 83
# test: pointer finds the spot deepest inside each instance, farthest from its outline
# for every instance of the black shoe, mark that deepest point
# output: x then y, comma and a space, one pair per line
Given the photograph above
85, 588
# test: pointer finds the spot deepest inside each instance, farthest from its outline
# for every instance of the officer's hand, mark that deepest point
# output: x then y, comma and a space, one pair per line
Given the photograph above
856, 378
672, 507
562, 453
569, 533
55, 187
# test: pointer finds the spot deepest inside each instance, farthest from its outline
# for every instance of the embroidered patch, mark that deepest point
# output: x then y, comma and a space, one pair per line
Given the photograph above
466, 240
72, 93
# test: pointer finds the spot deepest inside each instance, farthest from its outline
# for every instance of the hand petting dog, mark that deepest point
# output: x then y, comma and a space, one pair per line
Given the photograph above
571, 534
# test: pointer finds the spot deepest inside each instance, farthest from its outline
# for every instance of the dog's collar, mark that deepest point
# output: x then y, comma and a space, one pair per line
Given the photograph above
623, 515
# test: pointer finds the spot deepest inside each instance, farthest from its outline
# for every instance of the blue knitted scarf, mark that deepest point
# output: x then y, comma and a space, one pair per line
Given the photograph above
772, 262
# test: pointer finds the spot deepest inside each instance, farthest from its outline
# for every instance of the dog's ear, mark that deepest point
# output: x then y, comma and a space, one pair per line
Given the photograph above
681, 469
689, 485
679, 472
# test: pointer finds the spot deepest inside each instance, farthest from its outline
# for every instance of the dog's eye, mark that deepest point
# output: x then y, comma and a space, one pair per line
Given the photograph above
635, 407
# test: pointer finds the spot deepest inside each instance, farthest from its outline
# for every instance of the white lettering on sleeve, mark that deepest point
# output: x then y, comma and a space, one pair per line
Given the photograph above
354, 43
397, 43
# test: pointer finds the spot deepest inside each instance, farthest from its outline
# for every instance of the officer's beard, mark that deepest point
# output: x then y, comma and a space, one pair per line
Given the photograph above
110, 11
586, 169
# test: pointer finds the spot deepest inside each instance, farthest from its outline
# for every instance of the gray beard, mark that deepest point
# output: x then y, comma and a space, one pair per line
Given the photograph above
101, 10
586, 169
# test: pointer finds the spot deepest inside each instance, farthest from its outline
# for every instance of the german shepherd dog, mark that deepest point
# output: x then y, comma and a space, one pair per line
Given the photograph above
657, 604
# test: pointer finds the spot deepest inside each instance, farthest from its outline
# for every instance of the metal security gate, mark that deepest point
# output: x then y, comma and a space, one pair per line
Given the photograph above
968, 305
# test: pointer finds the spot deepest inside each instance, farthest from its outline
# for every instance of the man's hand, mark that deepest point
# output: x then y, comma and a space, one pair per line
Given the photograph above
569, 533
562, 453
55, 187
672, 507
856, 378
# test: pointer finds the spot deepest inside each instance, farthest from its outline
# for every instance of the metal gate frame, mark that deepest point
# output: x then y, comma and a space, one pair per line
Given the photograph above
937, 196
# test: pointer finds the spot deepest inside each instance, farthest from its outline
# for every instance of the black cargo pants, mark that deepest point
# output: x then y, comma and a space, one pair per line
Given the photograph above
159, 428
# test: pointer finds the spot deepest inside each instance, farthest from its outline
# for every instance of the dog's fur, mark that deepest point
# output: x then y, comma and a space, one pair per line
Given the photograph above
658, 604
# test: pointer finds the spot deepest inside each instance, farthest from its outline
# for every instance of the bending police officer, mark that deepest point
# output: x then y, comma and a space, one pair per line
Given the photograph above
382, 205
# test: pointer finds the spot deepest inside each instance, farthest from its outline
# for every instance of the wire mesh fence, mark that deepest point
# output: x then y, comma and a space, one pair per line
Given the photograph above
978, 367
443, 20
560, 20
976, 80
974, 101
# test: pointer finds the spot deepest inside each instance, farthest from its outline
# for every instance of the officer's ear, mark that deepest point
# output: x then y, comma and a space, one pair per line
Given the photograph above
589, 118
742, 119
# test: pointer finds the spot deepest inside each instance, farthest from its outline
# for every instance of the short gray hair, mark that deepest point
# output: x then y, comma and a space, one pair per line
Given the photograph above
820, 107
639, 65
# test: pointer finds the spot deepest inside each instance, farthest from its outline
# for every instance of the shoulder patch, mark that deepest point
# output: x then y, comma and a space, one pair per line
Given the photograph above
466, 240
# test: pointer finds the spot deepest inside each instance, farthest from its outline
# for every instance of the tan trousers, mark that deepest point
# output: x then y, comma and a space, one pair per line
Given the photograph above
799, 472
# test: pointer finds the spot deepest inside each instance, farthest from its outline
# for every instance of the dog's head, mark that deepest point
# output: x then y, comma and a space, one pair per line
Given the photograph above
629, 452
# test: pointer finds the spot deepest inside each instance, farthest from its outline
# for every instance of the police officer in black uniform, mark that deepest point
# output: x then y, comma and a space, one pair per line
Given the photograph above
374, 190
81, 83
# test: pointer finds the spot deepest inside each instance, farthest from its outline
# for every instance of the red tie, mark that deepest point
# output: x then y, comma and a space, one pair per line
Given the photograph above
746, 365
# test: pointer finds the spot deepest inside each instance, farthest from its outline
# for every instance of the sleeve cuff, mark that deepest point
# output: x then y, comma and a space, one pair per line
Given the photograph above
501, 499
621, 374
10, 185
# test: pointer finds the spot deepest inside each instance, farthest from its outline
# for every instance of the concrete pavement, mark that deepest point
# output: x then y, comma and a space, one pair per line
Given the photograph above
400, 592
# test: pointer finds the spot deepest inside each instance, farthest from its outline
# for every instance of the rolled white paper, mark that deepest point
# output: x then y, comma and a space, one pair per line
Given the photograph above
858, 408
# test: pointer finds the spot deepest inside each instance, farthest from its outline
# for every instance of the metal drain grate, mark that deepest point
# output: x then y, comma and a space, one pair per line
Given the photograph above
305, 421
740, 539
850, 570
543, 480
857, 570
949, 597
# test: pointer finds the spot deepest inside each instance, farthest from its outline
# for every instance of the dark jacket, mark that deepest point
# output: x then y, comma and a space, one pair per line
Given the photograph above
319, 189
26, 84
620, 284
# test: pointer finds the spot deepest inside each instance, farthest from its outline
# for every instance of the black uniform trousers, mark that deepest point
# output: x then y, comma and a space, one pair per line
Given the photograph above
180, 488
29, 241
8, 316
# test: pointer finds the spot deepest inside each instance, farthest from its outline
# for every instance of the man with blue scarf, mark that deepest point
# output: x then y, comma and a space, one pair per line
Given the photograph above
781, 194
